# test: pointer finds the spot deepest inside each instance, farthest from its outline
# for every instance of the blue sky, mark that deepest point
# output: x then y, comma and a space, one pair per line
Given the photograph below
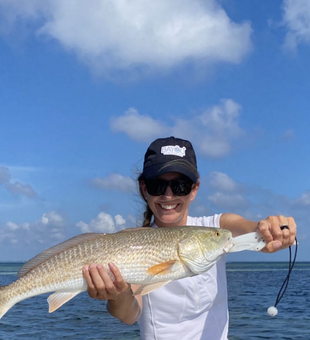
86, 86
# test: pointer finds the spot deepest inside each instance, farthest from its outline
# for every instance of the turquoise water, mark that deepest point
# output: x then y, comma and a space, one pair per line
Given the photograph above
252, 288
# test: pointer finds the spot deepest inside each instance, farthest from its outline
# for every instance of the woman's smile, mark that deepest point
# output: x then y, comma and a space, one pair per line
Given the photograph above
169, 209
168, 206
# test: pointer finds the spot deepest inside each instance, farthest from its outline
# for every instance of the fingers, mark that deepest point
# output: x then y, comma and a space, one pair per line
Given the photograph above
92, 291
120, 283
100, 285
293, 230
275, 235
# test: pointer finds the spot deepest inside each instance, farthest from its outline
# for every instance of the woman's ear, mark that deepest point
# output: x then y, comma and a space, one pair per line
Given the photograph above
143, 189
195, 190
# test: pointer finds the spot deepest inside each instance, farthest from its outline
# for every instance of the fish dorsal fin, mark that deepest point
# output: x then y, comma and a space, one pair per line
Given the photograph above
146, 289
46, 254
58, 299
162, 268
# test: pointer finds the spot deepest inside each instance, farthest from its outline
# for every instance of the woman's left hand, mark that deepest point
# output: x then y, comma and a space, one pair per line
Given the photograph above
278, 231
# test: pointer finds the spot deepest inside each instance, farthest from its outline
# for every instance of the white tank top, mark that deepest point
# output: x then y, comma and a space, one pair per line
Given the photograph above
193, 308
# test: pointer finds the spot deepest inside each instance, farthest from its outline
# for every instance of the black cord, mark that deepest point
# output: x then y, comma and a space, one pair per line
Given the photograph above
283, 288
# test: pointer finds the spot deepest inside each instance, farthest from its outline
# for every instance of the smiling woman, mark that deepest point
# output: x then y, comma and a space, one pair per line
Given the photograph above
191, 308
169, 182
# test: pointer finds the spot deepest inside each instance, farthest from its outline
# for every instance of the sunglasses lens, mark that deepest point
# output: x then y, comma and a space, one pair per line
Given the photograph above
157, 187
181, 187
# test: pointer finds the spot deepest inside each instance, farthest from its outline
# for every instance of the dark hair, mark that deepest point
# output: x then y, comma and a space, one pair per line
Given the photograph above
147, 215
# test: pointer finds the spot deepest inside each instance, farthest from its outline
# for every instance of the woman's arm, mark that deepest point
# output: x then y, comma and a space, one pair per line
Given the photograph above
270, 228
122, 304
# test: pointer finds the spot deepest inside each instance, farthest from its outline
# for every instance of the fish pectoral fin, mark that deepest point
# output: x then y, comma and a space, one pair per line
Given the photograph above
145, 289
58, 299
162, 268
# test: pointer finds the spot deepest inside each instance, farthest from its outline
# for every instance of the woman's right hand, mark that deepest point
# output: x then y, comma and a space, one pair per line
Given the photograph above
100, 285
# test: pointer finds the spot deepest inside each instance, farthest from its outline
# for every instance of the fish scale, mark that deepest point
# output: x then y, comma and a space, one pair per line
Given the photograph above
144, 256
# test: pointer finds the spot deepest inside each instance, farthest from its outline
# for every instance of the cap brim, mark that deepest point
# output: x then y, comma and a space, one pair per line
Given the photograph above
179, 166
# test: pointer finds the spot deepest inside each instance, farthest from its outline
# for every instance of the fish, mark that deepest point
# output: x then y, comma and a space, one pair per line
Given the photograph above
147, 257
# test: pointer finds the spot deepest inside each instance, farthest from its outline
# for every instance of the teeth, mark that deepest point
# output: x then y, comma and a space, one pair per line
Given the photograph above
168, 207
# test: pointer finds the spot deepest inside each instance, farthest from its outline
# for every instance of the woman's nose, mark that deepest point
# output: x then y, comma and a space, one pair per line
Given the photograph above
168, 191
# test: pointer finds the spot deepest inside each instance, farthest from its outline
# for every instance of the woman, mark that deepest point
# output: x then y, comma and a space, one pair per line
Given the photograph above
195, 307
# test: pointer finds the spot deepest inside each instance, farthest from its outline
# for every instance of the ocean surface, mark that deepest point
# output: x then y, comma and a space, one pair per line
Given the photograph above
252, 288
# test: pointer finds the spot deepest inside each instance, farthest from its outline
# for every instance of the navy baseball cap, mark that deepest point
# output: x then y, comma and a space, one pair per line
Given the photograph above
170, 155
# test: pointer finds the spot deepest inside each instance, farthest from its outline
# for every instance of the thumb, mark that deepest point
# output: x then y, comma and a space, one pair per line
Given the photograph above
272, 247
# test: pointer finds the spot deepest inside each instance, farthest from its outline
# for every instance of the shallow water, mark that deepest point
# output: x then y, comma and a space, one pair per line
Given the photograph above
252, 288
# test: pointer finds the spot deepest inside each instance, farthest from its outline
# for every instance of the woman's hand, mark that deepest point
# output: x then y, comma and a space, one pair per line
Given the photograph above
100, 285
121, 304
278, 231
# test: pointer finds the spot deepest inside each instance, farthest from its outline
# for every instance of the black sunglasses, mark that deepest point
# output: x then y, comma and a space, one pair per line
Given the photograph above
157, 187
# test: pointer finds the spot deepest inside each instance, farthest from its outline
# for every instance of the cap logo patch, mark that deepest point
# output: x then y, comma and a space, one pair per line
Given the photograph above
174, 150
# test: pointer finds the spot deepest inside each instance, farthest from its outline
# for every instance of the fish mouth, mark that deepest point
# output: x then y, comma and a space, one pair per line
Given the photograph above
228, 245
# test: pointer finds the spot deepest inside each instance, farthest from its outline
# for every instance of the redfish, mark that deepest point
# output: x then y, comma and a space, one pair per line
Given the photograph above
148, 257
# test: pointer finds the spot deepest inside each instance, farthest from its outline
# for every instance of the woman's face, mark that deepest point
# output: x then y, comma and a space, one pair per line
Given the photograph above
170, 210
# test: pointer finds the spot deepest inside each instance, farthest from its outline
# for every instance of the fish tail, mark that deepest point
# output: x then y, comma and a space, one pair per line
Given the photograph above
5, 303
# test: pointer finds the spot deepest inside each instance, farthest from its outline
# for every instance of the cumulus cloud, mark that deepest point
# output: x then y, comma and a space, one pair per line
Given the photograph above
115, 182
228, 201
140, 34
222, 182
50, 227
12, 226
296, 17
119, 220
213, 131
221, 128
136, 126
19, 188
103, 223
15, 187
226, 194
52, 218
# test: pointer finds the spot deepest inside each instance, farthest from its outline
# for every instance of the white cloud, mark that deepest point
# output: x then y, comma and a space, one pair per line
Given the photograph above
21, 189
143, 34
228, 194
52, 218
103, 223
12, 226
297, 19
222, 182
50, 227
119, 220
138, 127
228, 201
115, 182
221, 127
212, 133
83, 227
223, 118
15, 187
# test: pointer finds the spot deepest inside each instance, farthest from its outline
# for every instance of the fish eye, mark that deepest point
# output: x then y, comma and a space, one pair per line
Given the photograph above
218, 233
